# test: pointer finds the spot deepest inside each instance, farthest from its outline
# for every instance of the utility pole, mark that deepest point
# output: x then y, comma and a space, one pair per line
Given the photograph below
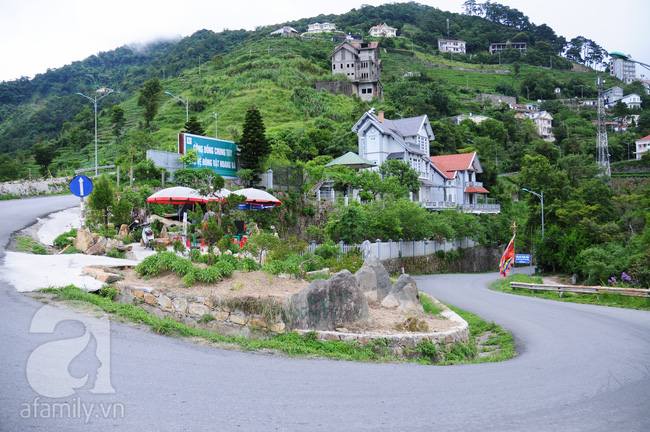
601, 143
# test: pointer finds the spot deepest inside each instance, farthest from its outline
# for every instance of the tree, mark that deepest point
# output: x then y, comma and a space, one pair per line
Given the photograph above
118, 119
43, 156
253, 146
149, 98
101, 198
620, 109
193, 126
406, 175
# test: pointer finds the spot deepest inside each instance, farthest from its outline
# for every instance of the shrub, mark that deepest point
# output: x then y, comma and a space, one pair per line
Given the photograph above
65, 239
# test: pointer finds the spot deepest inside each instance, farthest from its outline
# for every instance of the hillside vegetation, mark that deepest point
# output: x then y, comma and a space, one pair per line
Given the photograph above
594, 228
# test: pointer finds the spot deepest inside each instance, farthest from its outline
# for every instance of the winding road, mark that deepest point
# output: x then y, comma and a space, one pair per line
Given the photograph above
579, 368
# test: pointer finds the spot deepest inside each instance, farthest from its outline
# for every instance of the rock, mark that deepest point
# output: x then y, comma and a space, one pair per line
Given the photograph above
179, 304
373, 279
130, 255
98, 248
197, 309
327, 304
405, 292
277, 327
389, 302
220, 316
237, 319
164, 302
258, 322
150, 299
124, 232
84, 240
163, 232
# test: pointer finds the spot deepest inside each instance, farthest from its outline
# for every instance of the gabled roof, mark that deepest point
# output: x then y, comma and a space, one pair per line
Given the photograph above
646, 138
449, 165
348, 46
398, 129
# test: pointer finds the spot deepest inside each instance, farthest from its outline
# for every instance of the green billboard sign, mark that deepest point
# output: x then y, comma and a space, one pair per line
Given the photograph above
219, 155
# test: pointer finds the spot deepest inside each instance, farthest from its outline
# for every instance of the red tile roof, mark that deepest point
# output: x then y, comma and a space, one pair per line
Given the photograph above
450, 164
647, 138
476, 189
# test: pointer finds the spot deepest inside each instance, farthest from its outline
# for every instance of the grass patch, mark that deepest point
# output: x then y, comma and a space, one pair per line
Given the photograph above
606, 299
9, 196
28, 244
429, 305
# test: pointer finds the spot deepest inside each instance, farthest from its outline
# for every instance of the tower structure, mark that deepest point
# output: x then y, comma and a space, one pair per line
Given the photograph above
602, 145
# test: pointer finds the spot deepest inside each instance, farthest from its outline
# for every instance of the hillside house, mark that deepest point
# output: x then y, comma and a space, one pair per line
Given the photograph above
642, 146
285, 31
544, 122
382, 30
453, 46
612, 95
501, 46
633, 100
444, 184
478, 119
361, 64
460, 188
321, 27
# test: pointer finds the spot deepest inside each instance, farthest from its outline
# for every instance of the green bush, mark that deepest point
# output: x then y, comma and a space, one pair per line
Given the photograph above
65, 239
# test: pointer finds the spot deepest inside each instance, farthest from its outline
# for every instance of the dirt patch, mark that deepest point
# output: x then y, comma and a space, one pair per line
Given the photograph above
260, 285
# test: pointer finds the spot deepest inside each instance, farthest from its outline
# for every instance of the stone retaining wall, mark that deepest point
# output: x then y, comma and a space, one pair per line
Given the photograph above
190, 310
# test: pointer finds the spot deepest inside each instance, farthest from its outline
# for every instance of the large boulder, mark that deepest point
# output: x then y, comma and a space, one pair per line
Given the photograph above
84, 240
98, 248
373, 279
404, 296
328, 304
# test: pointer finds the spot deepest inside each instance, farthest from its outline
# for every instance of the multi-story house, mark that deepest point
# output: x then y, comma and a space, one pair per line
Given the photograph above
382, 30
544, 122
612, 95
321, 27
496, 47
633, 100
642, 146
454, 46
624, 70
446, 181
361, 64
459, 188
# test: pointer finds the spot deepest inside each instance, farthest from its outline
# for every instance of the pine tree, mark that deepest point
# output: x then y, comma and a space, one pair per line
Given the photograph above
193, 126
253, 146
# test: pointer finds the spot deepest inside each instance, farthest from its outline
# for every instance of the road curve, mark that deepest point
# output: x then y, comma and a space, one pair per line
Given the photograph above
579, 368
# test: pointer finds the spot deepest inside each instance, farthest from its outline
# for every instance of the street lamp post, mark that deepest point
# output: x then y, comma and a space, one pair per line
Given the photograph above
541, 197
186, 103
527, 93
215, 125
628, 150
95, 100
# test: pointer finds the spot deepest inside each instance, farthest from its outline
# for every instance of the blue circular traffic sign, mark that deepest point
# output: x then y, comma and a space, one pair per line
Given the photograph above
81, 186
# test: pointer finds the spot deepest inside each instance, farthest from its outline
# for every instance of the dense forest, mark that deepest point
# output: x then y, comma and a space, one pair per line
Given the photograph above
46, 128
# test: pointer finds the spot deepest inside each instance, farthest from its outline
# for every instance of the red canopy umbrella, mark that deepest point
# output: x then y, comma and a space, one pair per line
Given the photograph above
257, 198
177, 195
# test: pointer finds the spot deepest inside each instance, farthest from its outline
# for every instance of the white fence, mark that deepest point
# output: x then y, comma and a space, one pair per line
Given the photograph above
400, 248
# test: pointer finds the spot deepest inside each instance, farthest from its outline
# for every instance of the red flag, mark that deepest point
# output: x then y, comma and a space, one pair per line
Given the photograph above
508, 257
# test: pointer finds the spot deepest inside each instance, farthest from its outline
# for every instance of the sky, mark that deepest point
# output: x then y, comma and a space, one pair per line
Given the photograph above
37, 35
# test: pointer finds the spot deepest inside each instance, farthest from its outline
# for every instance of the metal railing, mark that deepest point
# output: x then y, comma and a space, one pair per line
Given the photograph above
400, 248
582, 289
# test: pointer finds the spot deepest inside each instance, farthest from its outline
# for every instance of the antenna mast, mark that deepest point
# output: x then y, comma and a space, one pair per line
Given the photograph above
602, 145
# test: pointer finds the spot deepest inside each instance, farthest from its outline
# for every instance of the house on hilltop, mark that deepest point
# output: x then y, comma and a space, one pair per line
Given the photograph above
502, 46
321, 27
361, 64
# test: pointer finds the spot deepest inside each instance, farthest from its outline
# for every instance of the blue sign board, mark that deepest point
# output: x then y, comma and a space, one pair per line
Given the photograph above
522, 258
217, 154
81, 186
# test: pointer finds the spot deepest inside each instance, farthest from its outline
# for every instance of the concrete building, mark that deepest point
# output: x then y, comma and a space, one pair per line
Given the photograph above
642, 146
361, 64
321, 27
501, 46
453, 46
622, 69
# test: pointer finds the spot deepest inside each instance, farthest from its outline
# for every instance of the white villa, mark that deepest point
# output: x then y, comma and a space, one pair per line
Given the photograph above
642, 146
321, 27
450, 45
383, 30
447, 182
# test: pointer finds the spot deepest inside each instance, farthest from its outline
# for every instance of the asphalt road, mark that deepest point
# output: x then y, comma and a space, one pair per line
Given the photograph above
579, 368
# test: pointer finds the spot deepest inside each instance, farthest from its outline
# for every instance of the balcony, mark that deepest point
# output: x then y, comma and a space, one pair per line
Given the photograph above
474, 184
465, 208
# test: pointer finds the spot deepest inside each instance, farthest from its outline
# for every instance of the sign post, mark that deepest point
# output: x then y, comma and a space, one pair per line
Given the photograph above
81, 186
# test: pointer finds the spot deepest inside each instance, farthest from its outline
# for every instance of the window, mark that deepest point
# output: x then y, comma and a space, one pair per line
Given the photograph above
422, 143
